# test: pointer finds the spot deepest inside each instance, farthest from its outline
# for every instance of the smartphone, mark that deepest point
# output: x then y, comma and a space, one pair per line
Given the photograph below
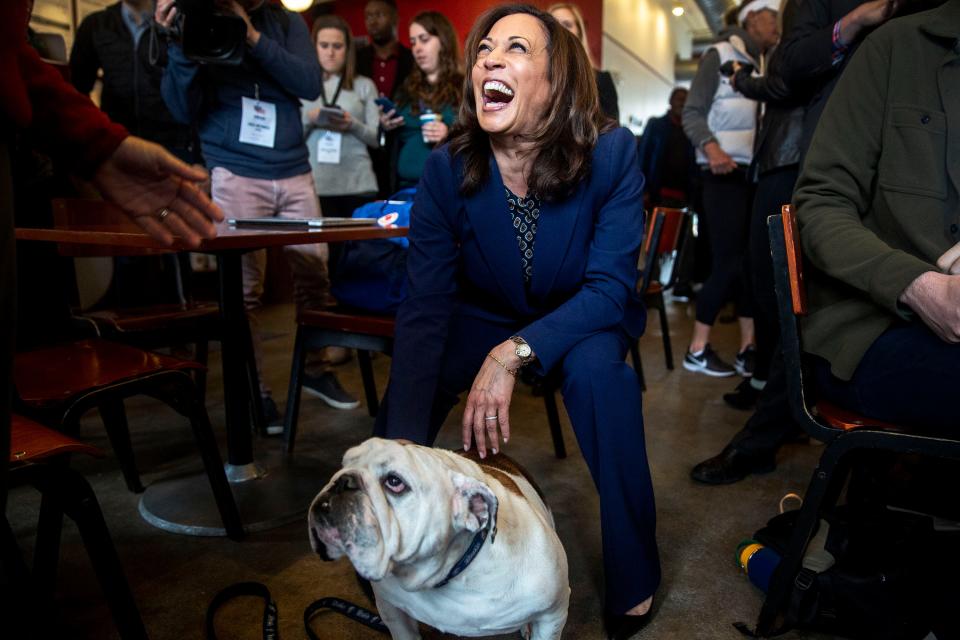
386, 103
328, 113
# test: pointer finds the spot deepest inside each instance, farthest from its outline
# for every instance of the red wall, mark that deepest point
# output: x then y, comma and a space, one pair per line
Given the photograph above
463, 13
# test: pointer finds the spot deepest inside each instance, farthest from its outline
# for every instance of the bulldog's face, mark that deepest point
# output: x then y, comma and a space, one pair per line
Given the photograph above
395, 503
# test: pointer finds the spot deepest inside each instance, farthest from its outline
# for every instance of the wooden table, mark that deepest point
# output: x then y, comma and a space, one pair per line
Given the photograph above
270, 492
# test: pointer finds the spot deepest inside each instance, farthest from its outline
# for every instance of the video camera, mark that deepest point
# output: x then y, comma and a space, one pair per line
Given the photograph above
208, 35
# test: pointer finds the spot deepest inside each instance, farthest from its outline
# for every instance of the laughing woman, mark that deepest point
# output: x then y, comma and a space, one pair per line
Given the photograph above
428, 99
523, 253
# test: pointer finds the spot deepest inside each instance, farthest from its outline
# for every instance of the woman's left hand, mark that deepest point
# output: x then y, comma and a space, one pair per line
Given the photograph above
435, 132
488, 405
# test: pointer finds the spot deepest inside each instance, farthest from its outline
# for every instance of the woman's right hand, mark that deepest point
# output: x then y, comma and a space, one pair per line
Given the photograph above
165, 13
720, 161
389, 120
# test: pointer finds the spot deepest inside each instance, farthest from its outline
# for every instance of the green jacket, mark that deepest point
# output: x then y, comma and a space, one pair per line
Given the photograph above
877, 200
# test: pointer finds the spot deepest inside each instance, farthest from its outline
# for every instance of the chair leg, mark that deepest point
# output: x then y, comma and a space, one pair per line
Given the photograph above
46, 556
823, 492
294, 389
201, 353
665, 331
553, 419
35, 615
637, 362
213, 464
369, 384
115, 421
76, 498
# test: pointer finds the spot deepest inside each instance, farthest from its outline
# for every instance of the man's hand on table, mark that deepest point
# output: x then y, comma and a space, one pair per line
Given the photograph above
159, 192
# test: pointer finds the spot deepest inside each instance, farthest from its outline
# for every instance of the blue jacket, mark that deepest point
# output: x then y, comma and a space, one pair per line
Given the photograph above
283, 66
652, 148
464, 259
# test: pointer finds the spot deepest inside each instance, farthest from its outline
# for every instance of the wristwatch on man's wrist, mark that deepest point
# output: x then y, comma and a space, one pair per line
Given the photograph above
523, 350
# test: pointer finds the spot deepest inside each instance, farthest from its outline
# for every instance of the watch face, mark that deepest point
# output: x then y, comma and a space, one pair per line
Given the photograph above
523, 351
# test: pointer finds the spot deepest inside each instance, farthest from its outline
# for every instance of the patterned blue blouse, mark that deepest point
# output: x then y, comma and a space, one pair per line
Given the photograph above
525, 213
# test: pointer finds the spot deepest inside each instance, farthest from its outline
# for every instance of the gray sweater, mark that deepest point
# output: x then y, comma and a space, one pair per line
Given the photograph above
354, 175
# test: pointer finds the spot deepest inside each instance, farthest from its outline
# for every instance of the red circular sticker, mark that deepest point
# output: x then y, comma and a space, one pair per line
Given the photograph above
388, 220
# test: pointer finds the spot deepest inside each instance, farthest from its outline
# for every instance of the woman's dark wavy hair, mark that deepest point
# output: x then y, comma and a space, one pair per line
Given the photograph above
416, 89
564, 141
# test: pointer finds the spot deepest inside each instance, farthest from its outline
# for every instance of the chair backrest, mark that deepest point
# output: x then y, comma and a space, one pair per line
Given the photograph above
648, 254
786, 253
673, 224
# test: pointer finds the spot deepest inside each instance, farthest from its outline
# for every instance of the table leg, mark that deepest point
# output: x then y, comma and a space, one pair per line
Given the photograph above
270, 490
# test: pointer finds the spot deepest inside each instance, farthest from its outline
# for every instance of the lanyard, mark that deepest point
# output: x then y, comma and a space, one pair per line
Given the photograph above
323, 93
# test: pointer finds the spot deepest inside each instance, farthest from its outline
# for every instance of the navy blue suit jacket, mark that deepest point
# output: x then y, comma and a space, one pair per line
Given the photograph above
464, 259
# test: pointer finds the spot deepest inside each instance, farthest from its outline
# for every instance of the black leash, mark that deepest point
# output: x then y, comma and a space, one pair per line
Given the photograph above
271, 630
354, 612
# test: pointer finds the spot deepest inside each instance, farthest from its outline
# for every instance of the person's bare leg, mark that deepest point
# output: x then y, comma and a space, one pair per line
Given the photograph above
746, 333
701, 336
641, 608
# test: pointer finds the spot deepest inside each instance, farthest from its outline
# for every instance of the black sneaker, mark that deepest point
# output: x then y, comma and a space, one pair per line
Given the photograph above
271, 416
745, 361
744, 397
708, 362
326, 387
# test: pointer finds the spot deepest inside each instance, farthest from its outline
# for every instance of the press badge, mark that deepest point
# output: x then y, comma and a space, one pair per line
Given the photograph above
328, 147
259, 123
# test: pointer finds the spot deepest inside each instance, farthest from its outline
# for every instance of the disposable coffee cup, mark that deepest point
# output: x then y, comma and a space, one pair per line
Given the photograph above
424, 119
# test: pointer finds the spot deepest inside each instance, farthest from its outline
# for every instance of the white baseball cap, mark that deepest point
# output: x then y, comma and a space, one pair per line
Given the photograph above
757, 5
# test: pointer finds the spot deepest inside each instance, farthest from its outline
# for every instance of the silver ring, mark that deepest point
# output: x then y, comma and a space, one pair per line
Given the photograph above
490, 418
163, 213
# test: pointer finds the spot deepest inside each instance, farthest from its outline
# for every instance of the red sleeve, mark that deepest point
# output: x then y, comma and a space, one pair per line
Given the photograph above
64, 121
33, 95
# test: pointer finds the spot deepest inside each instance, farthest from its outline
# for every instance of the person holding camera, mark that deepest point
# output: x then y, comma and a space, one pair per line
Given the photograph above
248, 114
721, 124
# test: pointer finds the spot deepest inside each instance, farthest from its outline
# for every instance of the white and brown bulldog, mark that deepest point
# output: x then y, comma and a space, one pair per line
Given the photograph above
464, 545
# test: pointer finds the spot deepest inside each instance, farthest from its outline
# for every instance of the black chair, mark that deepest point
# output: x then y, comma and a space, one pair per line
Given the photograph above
365, 332
844, 432
58, 384
664, 236
38, 458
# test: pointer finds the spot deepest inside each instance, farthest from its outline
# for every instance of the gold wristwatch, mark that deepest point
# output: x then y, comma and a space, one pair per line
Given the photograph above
523, 350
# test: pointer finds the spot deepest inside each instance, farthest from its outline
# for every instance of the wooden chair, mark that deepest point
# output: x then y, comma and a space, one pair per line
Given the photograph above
365, 333
664, 242
58, 384
843, 432
148, 327
37, 458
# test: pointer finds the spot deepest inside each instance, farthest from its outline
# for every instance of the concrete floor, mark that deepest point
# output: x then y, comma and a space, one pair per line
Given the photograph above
173, 577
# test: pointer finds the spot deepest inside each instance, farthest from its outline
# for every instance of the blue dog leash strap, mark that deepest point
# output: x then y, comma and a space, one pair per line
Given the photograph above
256, 589
354, 612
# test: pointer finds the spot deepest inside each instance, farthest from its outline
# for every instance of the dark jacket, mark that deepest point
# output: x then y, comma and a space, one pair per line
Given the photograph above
131, 85
282, 68
651, 150
807, 52
366, 55
463, 261
779, 138
878, 197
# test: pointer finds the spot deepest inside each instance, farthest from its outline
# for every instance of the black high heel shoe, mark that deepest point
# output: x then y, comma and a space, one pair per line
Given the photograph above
622, 627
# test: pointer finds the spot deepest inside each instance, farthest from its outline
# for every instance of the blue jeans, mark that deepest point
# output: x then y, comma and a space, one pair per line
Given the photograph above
908, 376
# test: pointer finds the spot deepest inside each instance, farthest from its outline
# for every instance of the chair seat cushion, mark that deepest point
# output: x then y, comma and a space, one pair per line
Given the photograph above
31, 441
839, 418
348, 322
160, 316
51, 375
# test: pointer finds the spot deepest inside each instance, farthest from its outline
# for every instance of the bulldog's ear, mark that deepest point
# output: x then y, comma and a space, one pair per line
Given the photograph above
474, 505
